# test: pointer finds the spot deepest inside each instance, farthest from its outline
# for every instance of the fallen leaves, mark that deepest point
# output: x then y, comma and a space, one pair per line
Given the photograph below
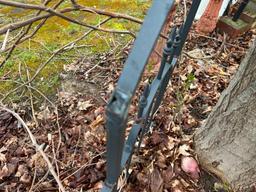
84, 105
184, 150
99, 120
156, 181
8, 168
24, 174
165, 163
4, 172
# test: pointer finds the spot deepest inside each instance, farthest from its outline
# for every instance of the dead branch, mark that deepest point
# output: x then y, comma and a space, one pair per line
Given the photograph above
110, 14
5, 40
52, 12
19, 24
41, 67
59, 14
210, 56
31, 98
38, 147
19, 40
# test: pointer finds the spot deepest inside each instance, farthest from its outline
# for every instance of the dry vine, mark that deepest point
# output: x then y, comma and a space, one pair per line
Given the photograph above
36, 145
52, 11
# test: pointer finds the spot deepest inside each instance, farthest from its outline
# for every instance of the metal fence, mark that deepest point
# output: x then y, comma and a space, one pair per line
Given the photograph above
240, 9
119, 149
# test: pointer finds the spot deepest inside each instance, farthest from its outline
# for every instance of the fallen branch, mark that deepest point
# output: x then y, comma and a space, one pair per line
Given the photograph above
215, 39
20, 39
52, 12
5, 40
38, 147
110, 14
41, 67
210, 56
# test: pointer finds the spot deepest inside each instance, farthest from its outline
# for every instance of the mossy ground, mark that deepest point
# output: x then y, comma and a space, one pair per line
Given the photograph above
57, 32
239, 24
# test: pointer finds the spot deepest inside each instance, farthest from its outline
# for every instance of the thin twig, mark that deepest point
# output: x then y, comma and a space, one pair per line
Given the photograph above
20, 39
61, 15
40, 181
55, 158
210, 56
85, 165
185, 10
38, 147
5, 40
31, 99
215, 39
41, 67
28, 86
34, 179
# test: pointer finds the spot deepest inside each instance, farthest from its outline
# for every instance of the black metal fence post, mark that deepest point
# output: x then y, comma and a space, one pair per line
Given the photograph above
118, 106
119, 151
240, 10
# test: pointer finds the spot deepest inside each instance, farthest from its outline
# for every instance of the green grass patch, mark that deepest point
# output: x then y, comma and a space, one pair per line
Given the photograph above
57, 32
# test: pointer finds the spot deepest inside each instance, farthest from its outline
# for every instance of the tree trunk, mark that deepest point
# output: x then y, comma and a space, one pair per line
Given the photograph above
226, 144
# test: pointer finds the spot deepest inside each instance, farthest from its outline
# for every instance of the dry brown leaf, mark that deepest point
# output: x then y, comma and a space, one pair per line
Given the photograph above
110, 87
25, 178
156, 139
84, 105
3, 149
156, 181
190, 68
168, 174
177, 186
38, 160
10, 141
9, 168
183, 150
98, 185
44, 114
99, 119
170, 143
142, 178
4, 172
2, 157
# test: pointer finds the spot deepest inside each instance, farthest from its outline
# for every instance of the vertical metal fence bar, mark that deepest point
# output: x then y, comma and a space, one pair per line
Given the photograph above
119, 152
240, 10
117, 109
166, 52
116, 123
144, 44
188, 23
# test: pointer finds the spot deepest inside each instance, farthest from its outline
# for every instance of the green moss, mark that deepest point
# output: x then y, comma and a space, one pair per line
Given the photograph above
57, 32
239, 24
251, 8
28, 56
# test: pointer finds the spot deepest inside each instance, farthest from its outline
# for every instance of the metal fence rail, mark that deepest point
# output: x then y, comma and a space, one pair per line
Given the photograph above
119, 151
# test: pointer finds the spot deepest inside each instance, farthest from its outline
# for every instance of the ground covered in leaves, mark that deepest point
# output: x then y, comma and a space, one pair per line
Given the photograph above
71, 130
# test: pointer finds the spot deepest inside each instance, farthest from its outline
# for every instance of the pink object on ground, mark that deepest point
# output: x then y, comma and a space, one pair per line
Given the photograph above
190, 166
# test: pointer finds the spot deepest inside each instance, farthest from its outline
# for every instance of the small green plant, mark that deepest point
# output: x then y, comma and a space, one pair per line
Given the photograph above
189, 81
180, 94
221, 187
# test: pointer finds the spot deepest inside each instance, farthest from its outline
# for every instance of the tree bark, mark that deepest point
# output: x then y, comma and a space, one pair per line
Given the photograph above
226, 143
